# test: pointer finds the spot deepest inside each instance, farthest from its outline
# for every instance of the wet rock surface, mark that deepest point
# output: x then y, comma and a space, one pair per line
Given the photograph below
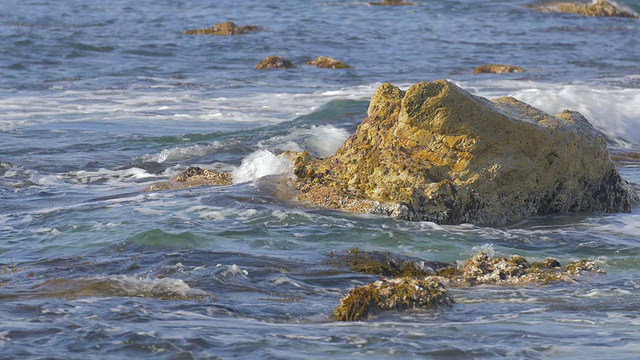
415, 287
497, 69
328, 63
391, 294
193, 176
274, 62
438, 153
224, 29
598, 8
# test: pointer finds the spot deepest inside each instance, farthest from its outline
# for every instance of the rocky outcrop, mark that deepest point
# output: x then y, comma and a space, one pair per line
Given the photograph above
275, 62
328, 63
413, 286
596, 8
392, 3
193, 176
497, 69
224, 29
437, 153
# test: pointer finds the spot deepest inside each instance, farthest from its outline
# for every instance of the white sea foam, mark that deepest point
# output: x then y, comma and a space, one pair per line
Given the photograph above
321, 140
181, 153
115, 178
613, 110
259, 164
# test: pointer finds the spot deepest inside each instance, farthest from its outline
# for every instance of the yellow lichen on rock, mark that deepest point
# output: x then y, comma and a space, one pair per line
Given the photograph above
438, 153
328, 63
224, 29
596, 8
497, 69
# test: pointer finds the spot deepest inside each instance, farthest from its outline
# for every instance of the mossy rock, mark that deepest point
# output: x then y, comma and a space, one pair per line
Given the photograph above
497, 69
274, 62
224, 29
386, 264
599, 8
328, 63
392, 294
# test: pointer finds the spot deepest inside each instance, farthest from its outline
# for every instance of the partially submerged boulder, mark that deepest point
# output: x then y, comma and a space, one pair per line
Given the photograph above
328, 63
391, 294
392, 3
386, 264
275, 62
497, 69
193, 176
224, 29
595, 8
438, 153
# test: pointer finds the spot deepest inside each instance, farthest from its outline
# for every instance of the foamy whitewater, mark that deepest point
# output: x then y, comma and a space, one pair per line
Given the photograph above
98, 100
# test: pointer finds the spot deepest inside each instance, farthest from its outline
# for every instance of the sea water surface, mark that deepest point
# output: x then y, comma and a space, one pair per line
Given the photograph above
98, 100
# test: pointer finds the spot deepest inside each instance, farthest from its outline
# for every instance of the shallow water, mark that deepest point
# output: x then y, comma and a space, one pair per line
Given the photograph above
98, 101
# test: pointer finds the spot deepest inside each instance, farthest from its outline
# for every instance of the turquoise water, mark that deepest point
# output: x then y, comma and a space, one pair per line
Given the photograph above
98, 101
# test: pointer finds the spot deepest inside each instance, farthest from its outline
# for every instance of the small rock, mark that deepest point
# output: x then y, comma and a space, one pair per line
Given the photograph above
193, 176
391, 294
497, 69
275, 62
598, 8
224, 29
328, 63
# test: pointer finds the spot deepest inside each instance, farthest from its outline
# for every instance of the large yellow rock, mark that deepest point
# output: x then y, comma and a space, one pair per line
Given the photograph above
438, 153
596, 8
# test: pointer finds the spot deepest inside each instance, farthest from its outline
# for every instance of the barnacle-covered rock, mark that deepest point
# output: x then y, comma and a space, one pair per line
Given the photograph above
514, 270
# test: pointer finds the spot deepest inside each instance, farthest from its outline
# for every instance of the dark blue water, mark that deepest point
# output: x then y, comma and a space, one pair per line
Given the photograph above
100, 100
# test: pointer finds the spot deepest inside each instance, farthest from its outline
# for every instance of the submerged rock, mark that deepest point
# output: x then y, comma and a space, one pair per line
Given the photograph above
386, 264
392, 3
596, 8
328, 63
224, 29
391, 294
437, 153
193, 176
275, 62
497, 69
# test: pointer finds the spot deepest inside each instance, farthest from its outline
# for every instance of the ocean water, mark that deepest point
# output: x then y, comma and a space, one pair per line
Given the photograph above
98, 100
